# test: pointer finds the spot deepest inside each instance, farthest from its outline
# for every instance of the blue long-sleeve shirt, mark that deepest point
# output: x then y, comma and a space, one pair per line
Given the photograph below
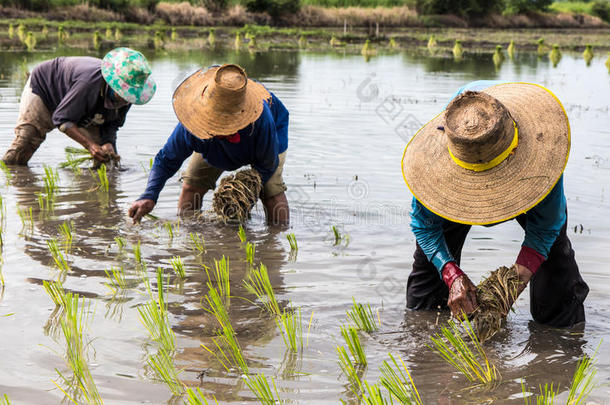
259, 145
544, 221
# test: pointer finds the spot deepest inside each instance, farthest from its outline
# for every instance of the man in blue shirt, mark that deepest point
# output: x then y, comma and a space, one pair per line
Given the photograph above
229, 121
497, 152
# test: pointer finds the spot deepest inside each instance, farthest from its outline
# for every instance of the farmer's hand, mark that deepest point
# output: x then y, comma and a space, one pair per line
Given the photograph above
108, 149
462, 293
524, 277
140, 208
97, 152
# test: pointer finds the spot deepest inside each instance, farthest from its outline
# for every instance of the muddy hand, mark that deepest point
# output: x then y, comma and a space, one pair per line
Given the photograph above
110, 153
97, 152
140, 208
462, 297
524, 278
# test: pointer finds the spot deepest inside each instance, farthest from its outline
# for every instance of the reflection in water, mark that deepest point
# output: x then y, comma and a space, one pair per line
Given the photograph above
350, 120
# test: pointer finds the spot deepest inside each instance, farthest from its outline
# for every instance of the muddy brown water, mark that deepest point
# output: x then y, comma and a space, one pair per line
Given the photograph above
350, 121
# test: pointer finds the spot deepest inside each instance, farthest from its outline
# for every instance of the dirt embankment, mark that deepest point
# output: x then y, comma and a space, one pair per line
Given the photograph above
308, 16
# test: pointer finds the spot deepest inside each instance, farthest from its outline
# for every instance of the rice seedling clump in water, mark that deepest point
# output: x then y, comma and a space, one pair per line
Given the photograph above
237, 194
495, 296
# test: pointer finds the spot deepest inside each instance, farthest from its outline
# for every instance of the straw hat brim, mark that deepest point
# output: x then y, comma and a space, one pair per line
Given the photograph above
511, 188
204, 121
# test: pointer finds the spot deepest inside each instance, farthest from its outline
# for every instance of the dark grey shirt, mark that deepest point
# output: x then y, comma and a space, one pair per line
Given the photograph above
74, 90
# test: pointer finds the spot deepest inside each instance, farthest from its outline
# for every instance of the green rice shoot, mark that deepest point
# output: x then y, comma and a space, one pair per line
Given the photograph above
397, 380
51, 181
242, 234
351, 371
169, 228
27, 218
292, 240
137, 252
7, 172
66, 230
259, 385
583, 381
258, 284
250, 250
372, 395
352, 339
120, 242
472, 362
198, 242
291, 327
221, 276
4, 398
116, 279
155, 318
178, 266
102, 178
165, 370
362, 317
546, 397
195, 397
56, 291
228, 351
336, 234
58, 256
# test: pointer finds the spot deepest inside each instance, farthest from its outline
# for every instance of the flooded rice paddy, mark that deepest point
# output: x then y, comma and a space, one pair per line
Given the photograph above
349, 123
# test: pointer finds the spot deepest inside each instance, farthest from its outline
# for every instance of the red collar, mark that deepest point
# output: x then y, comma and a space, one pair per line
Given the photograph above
235, 138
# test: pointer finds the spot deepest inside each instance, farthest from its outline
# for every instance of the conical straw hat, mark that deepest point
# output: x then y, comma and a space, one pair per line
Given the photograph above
491, 155
218, 101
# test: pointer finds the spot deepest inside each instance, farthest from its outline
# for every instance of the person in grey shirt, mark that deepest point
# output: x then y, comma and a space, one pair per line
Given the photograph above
86, 98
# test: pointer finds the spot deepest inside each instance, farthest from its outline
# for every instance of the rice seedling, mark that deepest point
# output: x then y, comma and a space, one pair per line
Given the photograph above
116, 279
102, 178
172, 229
292, 240
555, 55
432, 44
583, 381
259, 385
212, 38
242, 234
7, 172
173, 35
221, 275
472, 363
58, 256
56, 291
1, 279
290, 325
62, 35
498, 56
66, 231
30, 41
252, 43
108, 33
237, 42
362, 317
137, 253
165, 370
250, 250
302, 43
4, 398
11, 31
458, 50
334, 41
541, 50
511, 49
608, 62
258, 283
367, 49
351, 337
587, 54
155, 318
397, 380
228, 351
372, 395
51, 180
195, 397
97, 40
117, 34
120, 242
546, 397
27, 218
159, 40
75, 157
198, 242
21, 32
73, 325
352, 372
178, 266
338, 237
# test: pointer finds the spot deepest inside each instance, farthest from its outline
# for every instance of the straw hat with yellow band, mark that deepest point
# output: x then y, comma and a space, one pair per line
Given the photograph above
218, 101
491, 155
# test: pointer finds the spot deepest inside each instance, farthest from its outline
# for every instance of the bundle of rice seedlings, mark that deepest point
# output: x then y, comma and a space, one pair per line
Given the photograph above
259, 385
350, 334
362, 316
198, 242
165, 370
237, 194
291, 326
495, 296
588, 54
397, 380
353, 372
258, 283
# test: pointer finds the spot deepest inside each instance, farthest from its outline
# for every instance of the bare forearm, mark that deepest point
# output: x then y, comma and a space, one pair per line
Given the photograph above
76, 135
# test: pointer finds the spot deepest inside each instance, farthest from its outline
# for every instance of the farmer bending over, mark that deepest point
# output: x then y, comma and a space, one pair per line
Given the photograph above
496, 153
229, 121
86, 98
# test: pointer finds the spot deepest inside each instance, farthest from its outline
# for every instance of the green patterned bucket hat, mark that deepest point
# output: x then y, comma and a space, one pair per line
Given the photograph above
127, 72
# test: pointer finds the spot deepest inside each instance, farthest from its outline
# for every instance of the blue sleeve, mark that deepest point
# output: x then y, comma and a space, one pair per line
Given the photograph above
545, 220
280, 116
428, 230
266, 153
177, 149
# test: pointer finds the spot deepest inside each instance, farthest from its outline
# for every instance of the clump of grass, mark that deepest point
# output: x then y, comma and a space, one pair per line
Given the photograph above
228, 351
353, 372
195, 397
372, 395
173, 35
351, 337
62, 35
367, 49
392, 43
178, 266
27, 218
155, 318
511, 49
362, 317
212, 38
471, 362
159, 40
30, 41
116, 279
252, 43
237, 42
51, 180
258, 283
555, 55
546, 397
102, 178
587, 54
198, 242
458, 50
56, 291
397, 380
250, 250
11, 31
21, 32
432, 44
221, 275
259, 385
58, 256
120, 242
583, 381
137, 253
66, 230
242, 234
498, 56
290, 325
97, 40
172, 229
118, 35
108, 33
73, 325
541, 50
302, 43
163, 366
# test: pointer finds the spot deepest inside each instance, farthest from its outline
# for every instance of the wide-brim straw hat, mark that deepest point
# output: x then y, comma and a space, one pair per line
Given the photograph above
490, 155
218, 101
127, 72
